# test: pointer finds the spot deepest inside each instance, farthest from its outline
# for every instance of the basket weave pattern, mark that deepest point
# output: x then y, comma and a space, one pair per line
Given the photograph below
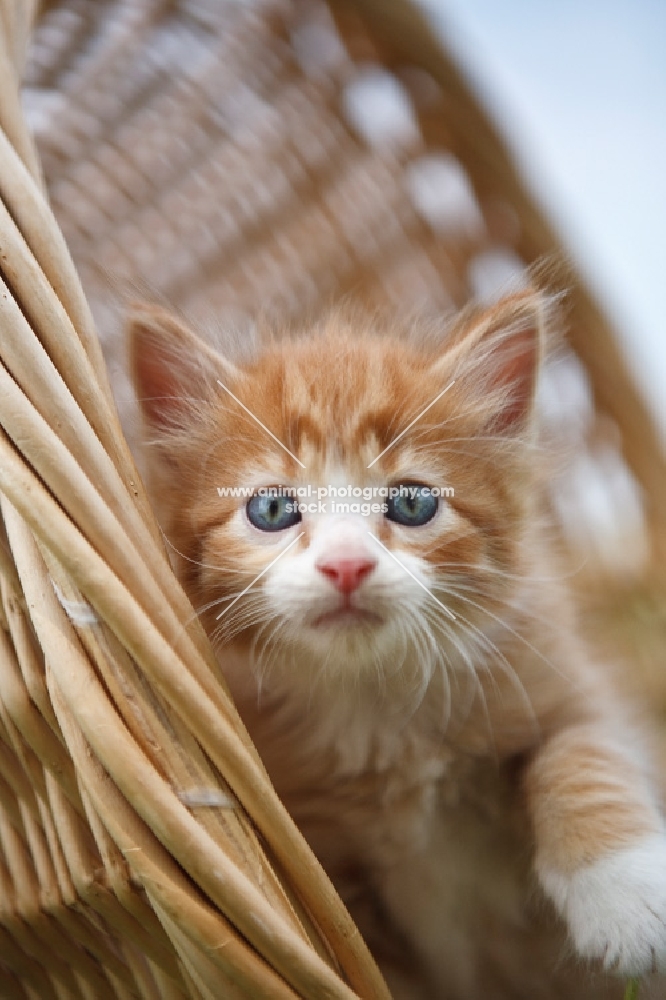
225, 156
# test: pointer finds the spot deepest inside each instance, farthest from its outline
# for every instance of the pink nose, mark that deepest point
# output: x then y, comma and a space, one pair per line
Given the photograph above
347, 574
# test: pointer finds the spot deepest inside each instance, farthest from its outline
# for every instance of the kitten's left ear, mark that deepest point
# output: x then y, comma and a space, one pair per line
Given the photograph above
496, 362
171, 368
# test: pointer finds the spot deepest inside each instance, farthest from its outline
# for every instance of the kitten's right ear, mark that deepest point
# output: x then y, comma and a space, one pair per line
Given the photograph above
172, 370
496, 362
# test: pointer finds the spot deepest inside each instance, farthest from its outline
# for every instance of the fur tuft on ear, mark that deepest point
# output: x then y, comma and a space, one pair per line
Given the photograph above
496, 361
173, 371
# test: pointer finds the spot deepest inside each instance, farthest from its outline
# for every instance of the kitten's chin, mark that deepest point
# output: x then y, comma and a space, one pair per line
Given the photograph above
347, 618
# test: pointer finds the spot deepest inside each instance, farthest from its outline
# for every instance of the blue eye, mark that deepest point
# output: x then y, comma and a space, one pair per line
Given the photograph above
273, 513
414, 505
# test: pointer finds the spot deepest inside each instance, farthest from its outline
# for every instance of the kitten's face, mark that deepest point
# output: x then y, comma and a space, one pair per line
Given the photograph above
379, 584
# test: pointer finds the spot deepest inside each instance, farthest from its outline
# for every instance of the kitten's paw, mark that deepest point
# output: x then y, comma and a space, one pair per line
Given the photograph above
616, 907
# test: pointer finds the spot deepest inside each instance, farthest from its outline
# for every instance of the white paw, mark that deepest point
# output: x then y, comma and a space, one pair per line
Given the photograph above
616, 907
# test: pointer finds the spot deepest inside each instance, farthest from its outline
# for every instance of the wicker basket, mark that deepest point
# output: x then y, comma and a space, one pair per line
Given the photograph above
220, 154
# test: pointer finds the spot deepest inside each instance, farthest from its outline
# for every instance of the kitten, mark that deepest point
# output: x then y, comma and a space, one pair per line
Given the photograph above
410, 671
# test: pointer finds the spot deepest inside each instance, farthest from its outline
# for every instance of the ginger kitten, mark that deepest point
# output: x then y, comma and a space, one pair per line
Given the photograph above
408, 664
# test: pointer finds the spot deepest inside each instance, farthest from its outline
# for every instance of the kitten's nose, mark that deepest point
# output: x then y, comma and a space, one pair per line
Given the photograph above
347, 574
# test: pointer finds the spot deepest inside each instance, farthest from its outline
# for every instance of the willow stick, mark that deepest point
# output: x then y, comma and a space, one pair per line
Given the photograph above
161, 876
170, 675
193, 848
11, 117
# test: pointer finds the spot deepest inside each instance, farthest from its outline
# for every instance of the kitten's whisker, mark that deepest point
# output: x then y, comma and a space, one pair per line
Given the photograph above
263, 572
238, 623
514, 633
422, 660
276, 622
513, 604
409, 573
504, 574
226, 597
509, 671
228, 629
260, 666
471, 668
434, 654
196, 613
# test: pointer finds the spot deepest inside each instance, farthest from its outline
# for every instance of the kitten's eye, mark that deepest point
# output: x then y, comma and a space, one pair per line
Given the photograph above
273, 513
415, 505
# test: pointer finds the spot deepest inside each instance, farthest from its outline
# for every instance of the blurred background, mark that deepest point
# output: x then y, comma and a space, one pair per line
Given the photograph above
579, 88
227, 157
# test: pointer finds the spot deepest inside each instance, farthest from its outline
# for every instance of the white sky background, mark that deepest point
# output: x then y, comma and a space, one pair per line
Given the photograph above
579, 89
